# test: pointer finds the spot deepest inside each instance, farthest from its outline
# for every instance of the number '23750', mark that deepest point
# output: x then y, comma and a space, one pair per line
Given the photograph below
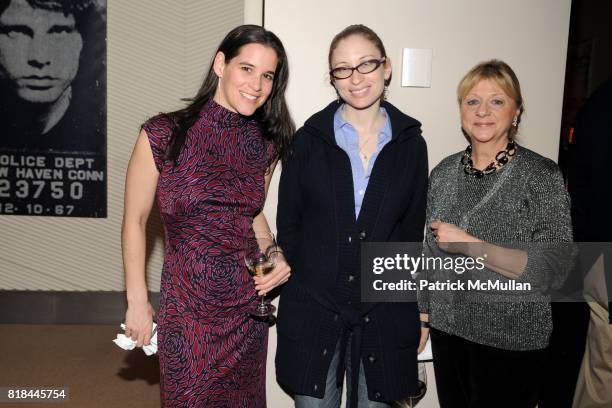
34, 188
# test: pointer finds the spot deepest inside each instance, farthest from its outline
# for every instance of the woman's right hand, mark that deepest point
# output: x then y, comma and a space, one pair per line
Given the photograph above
139, 322
140, 187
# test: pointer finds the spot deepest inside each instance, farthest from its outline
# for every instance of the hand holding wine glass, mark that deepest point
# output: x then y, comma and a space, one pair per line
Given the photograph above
267, 265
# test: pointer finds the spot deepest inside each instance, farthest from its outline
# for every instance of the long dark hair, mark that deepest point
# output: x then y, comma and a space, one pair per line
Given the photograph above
273, 115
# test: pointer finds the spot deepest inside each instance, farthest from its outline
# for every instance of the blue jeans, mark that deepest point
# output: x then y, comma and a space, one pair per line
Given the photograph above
333, 393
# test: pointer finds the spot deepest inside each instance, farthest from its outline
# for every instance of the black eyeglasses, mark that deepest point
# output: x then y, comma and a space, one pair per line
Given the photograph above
364, 68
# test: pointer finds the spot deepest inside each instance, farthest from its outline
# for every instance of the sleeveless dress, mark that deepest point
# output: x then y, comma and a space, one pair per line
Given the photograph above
211, 352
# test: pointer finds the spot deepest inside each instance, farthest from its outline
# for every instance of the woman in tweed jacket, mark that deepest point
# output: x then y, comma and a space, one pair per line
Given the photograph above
505, 206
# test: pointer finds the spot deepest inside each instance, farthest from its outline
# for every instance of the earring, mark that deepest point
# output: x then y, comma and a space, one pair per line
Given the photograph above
515, 121
338, 99
385, 92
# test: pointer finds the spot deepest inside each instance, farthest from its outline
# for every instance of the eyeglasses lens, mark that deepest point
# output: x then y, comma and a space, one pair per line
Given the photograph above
364, 68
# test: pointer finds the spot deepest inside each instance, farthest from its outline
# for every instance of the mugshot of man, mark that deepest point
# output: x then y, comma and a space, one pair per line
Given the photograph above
52, 69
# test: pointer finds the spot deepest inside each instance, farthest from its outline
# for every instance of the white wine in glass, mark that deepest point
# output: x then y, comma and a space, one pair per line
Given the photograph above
259, 259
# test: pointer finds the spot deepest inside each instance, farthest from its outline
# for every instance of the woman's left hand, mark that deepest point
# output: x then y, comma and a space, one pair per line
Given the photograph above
277, 276
451, 238
424, 333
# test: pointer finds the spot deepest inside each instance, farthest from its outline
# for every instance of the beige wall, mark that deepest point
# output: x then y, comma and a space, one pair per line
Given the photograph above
530, 35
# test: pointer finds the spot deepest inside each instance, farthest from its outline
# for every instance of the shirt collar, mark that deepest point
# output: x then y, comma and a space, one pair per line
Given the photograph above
385, 132
339, 121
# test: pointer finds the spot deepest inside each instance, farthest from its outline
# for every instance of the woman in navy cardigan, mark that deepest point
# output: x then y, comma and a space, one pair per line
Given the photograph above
358, 173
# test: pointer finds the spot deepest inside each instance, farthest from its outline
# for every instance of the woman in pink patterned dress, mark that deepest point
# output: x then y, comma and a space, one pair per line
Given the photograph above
209, 165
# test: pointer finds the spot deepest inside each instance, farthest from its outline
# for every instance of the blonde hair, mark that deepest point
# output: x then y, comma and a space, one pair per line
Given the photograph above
500, 73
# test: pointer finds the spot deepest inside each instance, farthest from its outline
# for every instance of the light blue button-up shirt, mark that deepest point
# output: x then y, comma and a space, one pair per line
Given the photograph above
348, 140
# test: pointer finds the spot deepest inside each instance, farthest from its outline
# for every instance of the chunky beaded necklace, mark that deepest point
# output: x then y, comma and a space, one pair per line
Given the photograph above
501, 159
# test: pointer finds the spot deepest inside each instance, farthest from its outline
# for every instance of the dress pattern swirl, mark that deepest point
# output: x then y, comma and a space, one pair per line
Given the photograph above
211, 353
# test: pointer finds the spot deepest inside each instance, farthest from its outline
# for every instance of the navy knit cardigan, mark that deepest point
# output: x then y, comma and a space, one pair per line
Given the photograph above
320, 306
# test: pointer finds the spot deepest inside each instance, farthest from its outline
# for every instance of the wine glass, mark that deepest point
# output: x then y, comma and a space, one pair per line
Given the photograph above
260, 259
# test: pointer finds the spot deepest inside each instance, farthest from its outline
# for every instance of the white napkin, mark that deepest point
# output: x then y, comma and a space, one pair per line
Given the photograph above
127, 343
426, 354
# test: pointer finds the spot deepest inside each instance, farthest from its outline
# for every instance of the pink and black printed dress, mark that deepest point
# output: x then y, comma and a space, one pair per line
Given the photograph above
211, 352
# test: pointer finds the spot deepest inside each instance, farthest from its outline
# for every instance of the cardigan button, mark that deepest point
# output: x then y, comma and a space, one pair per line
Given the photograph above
362, 235
350, 239
351, 278
371, 359
366, 318
377, 395
316, 387
324, 351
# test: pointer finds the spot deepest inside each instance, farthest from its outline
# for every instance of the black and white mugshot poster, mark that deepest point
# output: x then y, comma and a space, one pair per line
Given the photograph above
53, 108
